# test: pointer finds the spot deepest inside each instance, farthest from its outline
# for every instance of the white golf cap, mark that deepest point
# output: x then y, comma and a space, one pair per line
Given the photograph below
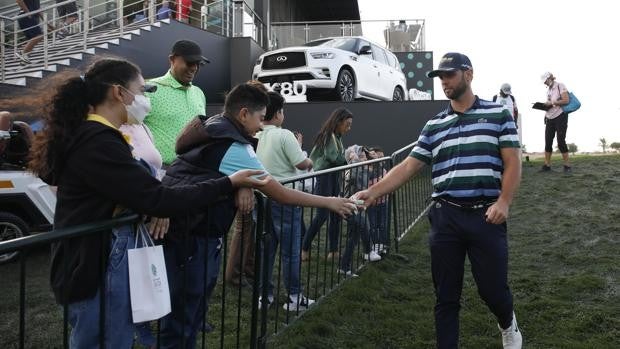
506, 89
546, 76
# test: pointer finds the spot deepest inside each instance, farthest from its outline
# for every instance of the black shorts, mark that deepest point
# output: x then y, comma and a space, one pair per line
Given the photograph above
30, 26
68, 10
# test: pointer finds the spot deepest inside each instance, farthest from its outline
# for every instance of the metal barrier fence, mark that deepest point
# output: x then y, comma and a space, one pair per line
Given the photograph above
297, 269
411, 199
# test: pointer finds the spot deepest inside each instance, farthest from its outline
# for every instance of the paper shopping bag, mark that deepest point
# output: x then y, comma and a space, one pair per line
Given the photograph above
148, 281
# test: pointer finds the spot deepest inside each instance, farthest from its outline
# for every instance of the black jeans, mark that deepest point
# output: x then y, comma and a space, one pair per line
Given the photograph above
559, 126
454, 233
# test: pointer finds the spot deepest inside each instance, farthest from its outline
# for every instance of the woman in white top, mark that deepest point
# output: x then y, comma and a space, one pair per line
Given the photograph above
556, 120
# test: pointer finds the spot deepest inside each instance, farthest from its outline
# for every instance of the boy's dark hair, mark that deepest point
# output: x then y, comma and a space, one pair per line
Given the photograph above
245, 95
276, 103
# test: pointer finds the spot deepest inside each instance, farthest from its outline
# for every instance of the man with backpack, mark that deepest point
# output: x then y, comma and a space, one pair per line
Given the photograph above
506, 99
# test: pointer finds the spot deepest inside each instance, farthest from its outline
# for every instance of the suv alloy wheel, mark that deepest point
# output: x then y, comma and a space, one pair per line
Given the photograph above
398, 94
345, 86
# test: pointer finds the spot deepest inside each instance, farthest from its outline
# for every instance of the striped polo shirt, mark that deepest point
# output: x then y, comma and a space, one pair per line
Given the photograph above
464, 150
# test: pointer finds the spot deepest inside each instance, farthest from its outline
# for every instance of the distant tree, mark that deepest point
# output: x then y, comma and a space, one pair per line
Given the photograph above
572, 148
603, 144
615, 146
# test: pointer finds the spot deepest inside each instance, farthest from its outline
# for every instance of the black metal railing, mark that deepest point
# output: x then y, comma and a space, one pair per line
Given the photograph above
238, 311
410, 201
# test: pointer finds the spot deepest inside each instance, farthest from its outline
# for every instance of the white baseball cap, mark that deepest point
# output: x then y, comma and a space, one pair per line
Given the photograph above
546, 76
506, 89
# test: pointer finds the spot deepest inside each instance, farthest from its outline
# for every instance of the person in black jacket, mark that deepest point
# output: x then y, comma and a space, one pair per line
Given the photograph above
82, 152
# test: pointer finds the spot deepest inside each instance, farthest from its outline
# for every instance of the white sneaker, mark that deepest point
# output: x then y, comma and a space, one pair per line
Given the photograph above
347, 274
511, 337
380, 248
372, 256
23, 57
269, 302
298, 302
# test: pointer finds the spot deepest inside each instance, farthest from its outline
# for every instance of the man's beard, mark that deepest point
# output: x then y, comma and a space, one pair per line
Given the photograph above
458, 91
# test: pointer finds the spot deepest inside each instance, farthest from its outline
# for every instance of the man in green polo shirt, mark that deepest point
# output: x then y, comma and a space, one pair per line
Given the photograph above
176, 100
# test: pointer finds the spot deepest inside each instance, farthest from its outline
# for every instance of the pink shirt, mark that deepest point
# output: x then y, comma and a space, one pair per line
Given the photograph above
142, 143
553, 95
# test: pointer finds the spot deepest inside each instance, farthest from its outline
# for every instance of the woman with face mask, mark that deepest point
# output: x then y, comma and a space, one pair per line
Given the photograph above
82, 152
142, 143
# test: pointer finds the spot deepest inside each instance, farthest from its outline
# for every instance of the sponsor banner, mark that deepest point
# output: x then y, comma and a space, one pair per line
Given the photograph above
417, 95
294, 92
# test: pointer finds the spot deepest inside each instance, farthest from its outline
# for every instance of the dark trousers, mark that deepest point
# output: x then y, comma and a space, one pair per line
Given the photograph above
241, 250
378, 216
454, 233
193, 267
357, 228
326, 185
558, 125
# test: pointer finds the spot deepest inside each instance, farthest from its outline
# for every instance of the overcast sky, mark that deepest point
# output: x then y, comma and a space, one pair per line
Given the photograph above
515, 42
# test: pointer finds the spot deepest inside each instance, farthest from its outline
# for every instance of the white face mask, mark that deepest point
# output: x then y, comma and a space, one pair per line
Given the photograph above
137, 111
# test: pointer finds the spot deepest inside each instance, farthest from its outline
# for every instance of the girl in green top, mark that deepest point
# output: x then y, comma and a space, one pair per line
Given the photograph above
328, 152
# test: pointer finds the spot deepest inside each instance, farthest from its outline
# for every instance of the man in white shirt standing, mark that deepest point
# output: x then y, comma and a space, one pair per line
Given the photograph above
506, 99
280, 152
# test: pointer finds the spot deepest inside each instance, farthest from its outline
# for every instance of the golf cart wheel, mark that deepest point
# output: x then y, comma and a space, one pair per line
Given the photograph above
11, 227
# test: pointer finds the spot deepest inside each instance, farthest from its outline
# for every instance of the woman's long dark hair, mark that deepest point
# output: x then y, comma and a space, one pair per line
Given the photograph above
329, 127
69, 106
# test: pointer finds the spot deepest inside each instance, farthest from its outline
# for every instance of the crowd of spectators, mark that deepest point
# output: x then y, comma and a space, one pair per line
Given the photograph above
190, 176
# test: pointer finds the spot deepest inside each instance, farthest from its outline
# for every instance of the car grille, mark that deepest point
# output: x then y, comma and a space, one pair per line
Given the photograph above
285, 78
284, 60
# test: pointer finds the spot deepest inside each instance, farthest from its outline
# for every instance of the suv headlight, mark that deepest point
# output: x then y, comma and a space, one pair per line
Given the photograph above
323, 55
259, 61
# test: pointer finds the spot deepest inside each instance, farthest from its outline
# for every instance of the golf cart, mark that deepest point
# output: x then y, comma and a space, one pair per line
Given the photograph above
26, 203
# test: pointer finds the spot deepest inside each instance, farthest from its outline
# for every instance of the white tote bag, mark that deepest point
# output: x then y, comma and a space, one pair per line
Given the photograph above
148, 281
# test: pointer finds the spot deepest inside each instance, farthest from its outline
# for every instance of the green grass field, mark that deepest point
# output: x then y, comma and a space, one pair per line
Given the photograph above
564, 233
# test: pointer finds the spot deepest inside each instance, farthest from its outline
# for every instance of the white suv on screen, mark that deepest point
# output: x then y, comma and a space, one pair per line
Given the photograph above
347, 67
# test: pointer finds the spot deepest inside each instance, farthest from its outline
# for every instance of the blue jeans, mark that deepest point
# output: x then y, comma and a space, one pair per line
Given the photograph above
326, 185
454, 233
84, 315
377, 216
186, 262
286, 229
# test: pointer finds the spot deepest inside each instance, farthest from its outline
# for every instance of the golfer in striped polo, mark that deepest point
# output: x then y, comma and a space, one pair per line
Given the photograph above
472, 147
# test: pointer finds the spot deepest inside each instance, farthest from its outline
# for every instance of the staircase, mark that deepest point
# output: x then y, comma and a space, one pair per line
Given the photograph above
70, 51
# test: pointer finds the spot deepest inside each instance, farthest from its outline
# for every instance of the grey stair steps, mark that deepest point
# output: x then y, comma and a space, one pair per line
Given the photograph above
66, 51
17, 66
